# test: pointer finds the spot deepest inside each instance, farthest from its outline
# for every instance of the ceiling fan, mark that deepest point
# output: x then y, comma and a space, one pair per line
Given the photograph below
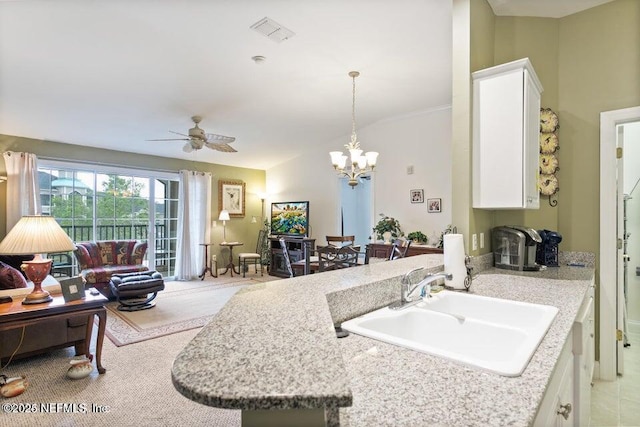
197, 138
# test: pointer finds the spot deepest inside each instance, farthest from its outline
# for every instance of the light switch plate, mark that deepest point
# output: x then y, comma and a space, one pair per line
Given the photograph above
481, 240
474, 242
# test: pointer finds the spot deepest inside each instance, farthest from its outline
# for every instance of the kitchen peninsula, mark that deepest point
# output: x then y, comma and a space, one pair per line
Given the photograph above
272, 351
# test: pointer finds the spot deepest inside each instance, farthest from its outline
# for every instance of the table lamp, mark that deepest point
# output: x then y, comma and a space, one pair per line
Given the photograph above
224, 217
36, 234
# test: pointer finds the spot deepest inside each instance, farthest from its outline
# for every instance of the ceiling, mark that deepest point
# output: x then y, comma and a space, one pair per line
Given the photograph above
542, 8
115, 73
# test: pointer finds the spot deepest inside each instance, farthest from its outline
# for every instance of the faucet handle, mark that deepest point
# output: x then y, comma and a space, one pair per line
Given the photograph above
405, 278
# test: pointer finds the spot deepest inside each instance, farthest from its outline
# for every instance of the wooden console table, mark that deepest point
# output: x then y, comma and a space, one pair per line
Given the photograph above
16, 315
383, 250
298, 248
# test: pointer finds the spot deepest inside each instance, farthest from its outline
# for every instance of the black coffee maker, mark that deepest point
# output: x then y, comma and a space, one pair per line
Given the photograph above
547, 251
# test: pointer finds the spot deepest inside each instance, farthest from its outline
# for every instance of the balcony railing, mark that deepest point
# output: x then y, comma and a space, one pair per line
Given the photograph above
81, 233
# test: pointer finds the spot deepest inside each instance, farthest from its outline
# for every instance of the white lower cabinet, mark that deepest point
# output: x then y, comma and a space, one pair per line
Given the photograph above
567, 401
557, 408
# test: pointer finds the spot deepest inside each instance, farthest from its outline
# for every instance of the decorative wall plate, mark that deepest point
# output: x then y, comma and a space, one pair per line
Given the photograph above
548, 164
548, 120
548, 142
548, 184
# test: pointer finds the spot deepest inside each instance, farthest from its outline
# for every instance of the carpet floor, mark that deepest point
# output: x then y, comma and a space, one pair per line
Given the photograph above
181, 306
136, 389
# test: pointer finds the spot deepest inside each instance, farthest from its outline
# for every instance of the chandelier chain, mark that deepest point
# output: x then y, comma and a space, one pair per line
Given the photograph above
353, 111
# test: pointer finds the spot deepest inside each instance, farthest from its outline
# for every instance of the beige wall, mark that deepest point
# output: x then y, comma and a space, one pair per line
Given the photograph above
238, 229
588, 62
599, 71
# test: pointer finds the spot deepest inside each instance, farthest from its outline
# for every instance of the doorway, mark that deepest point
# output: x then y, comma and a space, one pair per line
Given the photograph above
611, 242
356, 210
631, 227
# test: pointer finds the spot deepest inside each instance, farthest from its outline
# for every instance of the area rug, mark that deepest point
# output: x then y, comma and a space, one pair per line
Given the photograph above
180, 307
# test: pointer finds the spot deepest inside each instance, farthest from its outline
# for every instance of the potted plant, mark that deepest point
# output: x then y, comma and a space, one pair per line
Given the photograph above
418, 237
387, 228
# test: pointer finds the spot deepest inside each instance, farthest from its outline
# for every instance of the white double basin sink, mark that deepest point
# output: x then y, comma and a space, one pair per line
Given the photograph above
493, 334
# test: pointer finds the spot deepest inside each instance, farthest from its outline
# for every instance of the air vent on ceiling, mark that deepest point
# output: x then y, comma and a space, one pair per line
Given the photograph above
273, 30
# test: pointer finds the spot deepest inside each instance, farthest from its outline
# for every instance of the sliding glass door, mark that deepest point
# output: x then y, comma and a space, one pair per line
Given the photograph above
92, 203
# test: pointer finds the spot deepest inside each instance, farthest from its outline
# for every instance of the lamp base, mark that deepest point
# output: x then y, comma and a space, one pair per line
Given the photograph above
37, 297
36, 270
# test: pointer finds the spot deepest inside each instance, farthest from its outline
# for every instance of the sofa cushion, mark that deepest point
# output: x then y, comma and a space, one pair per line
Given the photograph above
107, 252
88, 254
123, 249
103, 274
10, 278
137, 253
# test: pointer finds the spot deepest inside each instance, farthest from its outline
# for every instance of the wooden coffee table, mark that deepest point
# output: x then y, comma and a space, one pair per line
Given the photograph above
16, 315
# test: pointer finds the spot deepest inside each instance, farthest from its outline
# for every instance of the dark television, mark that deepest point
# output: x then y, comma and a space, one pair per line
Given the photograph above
290, 218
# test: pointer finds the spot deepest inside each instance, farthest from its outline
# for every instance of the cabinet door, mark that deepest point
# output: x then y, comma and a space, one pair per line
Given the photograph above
506, 126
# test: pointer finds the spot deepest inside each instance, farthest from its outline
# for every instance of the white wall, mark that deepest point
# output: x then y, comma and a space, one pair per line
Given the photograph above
421, 140
631, 176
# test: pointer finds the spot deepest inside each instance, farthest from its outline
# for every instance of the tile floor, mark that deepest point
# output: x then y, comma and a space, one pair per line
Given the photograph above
617, 403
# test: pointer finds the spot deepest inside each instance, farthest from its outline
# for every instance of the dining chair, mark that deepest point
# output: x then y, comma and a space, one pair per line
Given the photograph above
256, 256
347, 256
285, 256
399, 249
326, 257
339, 241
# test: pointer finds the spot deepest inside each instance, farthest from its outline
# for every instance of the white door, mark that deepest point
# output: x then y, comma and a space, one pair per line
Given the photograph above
609, 289
620, 271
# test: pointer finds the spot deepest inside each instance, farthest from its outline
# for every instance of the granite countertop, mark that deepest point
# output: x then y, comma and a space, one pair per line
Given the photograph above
273, 346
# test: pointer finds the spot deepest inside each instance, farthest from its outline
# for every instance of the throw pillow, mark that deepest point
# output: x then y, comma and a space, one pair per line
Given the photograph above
137, 255
10, 278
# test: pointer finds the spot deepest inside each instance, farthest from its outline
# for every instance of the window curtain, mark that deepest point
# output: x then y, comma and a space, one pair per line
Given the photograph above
194, 223
23, 187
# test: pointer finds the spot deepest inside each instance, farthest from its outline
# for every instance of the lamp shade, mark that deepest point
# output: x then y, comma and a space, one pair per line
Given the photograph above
224, 215
36, 234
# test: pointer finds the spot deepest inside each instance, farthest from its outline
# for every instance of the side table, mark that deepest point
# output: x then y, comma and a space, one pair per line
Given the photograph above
16, 315
207, 263
230, 265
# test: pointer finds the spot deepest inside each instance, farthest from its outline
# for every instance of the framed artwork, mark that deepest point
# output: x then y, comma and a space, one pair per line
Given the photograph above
72, 288
434, 205
416, 196
231, 197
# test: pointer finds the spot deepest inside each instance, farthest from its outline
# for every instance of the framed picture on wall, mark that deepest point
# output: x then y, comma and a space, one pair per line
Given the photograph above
416, 196
231, 195
434, 205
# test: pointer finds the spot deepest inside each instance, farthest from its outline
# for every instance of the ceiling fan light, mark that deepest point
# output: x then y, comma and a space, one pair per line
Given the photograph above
187, 148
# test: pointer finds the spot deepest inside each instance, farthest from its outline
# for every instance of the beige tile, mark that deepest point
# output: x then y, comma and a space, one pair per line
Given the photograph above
630, 388
629, 413
606, 387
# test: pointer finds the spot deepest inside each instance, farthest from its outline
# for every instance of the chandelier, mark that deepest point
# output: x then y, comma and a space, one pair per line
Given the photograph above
360, 164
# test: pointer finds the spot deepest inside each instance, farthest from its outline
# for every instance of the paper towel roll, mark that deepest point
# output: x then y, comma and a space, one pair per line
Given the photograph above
454, 260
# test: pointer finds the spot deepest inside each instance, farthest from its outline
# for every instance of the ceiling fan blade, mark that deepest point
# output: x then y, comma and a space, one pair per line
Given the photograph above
169, 139
225, 148
219, 138
178, 133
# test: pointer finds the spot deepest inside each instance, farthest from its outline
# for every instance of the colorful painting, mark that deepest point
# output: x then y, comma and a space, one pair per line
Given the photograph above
290, 218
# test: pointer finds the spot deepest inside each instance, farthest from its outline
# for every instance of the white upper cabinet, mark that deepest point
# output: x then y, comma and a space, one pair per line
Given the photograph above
506, 128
